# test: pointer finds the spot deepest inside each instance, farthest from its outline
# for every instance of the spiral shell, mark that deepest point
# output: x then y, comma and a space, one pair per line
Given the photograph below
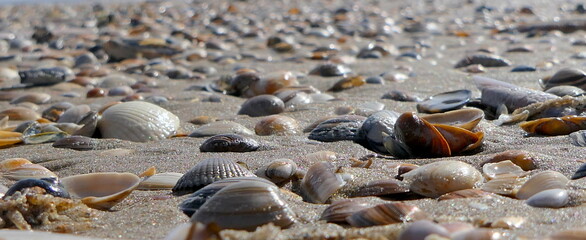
206, 172
435, 179
138, 122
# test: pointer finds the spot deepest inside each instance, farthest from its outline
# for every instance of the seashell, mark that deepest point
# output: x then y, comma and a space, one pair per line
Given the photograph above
89, 124
293, 98
371, 131
54, 112
320, 182
505, 185
401, 96
523, 68
465, 193
478, 234
321, 97
444, 102
330, 70
101, 190
11, 163
68, 128
44, 137
201, 120
327, 156
570, 234
116, 80
36, 98
542, 181
262, 105
279, 171
229, 143
508, 222
45, 76
339, 210
194, 231
96, 92
555, 126
27, 171
206, 172
496, 93
551, 198
138, 122
394, 76
467, 118
337, 129
580, 173
192, 203
382, 187
74, 114
19, 113
277, 125
384, 214
521, 158
257, 202
565, 90
270, 84
438, 178
347, 83
160, 181
567, 76
475, 68
495, 170
50, 185
79, 143
377, 80
221, 127
419, 230
486, 60
120, 91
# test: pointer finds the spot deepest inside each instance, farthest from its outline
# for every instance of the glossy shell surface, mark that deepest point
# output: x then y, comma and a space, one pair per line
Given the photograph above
435, 179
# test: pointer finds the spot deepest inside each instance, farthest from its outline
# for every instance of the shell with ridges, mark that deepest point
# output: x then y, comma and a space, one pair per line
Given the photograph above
208, 171
320, 182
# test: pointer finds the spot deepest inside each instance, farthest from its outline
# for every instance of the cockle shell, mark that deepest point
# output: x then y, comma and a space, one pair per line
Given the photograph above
101, 190
435, 179
542, 181
339, 210
257, 202
320, 182
138, 121
206, 172
388, 213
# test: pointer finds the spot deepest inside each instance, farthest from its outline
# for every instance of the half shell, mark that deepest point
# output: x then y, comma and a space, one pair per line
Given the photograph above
101, 190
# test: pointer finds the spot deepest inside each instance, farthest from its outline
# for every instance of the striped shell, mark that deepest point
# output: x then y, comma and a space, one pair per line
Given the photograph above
138, 122
208, 171
384, 214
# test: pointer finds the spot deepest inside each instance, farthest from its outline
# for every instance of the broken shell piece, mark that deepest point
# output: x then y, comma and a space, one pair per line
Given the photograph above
540, 182
494, 170
321, 182
384, 214
160, 181
101, 190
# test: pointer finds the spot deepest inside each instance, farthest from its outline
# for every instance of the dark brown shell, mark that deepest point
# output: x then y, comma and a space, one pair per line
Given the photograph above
229, 143
208, 171
384, 214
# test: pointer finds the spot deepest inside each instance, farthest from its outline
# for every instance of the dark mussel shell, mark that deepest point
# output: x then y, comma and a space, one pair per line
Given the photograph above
209, 171
76, 142
567, 76
45, 76
337, 129
229, 143
50, 185
445, 101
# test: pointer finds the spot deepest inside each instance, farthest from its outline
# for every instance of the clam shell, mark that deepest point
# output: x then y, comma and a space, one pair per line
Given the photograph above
373, 128
578, 138
347, 83
138, 121
580, 173
506, 185
36, 98
221, 127
19, 113
435, 179
74, 114
339, 210
160, 181
262, 105
382, 187
277, 125
101, 190
320, 182
12, 163
384, 214
29, 170
330, 70
257, 202
279, 171
467, 118
192, 203
565, 90
337, 129
444, 102
551, 198
542, 181
419, 230
567, 76
206, 172
555, 125
229, 143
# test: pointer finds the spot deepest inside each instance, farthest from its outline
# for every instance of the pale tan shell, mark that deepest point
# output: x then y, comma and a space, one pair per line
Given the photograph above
320, 182
319, 156
507, 185
279, 171
28, 171
465, 193
160, 181
498, 169
435, 179
101, 190
138, 121
542, 181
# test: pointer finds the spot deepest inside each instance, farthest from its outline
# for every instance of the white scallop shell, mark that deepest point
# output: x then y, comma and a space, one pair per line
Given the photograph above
138, 121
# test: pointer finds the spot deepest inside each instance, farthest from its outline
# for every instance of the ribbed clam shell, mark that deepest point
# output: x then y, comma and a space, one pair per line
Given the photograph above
467, 118
28, 171
542, 181
551, 198
101, 190
262, 105
221, 127
320, 182
138, 121
384, 214
246, 205
419, 230
160, 181
339, 210
486, 60
444, 102
494, 170
192, 203
465, 193
36, 98
206, 172
79, 143
371, 131
507, 185
337, 129
229, 143
567, 76
435, 179
382, 187
279, 171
